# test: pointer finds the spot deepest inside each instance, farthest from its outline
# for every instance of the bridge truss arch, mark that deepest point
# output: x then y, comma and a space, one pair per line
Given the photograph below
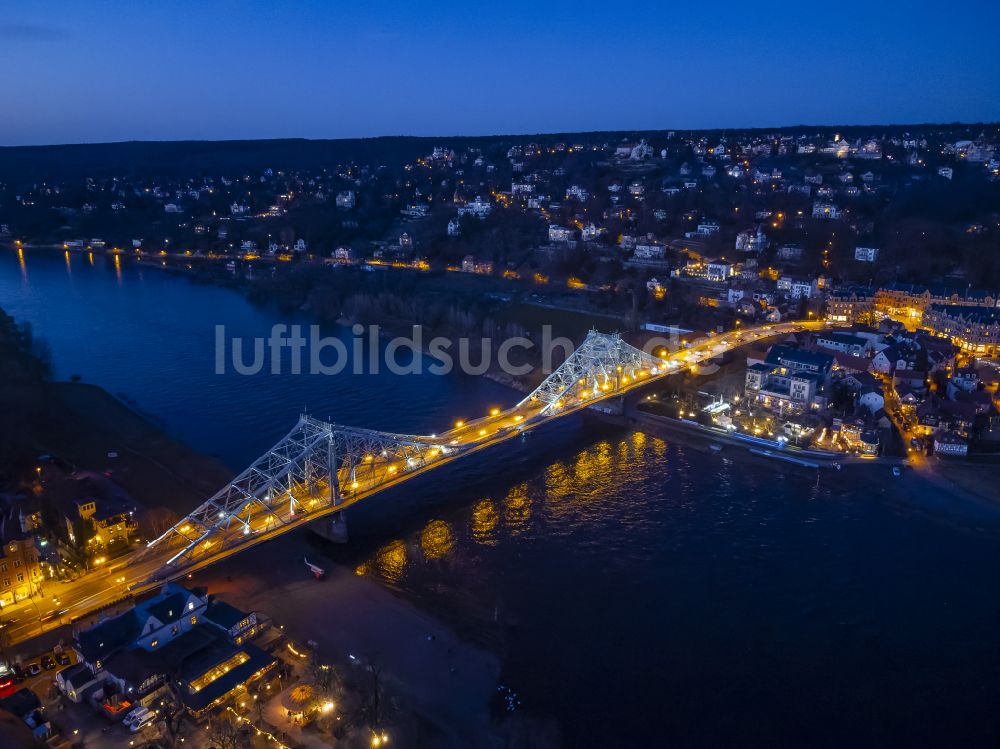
601, 366
311, 471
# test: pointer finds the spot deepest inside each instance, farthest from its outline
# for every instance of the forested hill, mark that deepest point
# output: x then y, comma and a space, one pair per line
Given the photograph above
196, 157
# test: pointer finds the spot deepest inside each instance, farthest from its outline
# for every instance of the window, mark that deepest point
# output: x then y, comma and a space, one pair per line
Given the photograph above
3, 566
194, 620
20, 577
173, 630
6, 582
154, 643
17, 563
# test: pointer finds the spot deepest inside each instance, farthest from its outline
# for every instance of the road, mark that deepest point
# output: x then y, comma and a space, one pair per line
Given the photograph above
258, 522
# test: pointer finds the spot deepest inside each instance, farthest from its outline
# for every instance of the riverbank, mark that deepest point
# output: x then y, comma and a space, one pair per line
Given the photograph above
439, 685
86, 427
959, 493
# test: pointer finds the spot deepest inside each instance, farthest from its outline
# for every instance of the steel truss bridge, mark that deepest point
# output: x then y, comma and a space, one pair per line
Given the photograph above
320, 468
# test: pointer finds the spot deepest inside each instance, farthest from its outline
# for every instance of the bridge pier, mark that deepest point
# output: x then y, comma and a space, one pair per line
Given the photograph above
333, 528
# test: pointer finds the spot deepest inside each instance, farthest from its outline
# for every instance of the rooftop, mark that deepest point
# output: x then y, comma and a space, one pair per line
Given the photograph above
970, 313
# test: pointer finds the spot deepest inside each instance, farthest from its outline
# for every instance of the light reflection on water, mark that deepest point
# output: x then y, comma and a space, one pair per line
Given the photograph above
568, 496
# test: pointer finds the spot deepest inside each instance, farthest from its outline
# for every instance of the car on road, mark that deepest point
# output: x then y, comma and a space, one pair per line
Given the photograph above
63, 659
896, 472
47, 663
32, 669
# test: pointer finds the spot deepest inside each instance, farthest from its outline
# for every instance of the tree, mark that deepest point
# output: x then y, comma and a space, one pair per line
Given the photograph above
225, 733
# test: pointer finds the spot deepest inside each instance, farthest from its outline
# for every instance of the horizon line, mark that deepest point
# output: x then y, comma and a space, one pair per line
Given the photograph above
548, 134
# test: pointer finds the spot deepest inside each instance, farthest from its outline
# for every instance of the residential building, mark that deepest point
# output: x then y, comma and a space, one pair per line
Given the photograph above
20, 573
560, 233
479, 208
197, 642
866, 254
797, 288
975, 330
649, 251
791, 252
824, 210
718, 270
751, 242
850, 306
906, 302
844, 342
789, 380
949, 444
469, 265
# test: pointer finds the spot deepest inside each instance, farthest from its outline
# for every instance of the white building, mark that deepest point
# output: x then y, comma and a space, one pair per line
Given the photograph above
827, 211
866, 254
479, 208
751, 242
560, 233
797, 288
718, 270
345, 199
650, 251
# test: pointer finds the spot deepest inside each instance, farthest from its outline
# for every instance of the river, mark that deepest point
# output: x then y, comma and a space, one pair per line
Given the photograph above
638, 590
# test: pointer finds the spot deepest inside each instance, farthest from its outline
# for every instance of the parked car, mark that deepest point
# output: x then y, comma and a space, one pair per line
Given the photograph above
47, 663
63, 659
142, 722
32, 669
136, 715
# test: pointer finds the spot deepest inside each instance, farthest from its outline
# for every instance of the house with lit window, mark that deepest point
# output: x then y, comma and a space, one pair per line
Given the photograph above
975, 330
198, 643
844, 342
20, 574
149, 625
101, 517
823, 210
789, 380
238, 625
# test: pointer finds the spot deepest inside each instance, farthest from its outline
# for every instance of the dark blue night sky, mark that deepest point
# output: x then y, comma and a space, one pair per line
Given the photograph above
102, 71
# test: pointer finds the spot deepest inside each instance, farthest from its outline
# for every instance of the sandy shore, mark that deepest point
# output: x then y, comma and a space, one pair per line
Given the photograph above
448, 683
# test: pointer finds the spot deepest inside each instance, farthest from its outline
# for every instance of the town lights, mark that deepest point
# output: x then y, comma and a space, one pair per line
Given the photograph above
494, 412
459, 424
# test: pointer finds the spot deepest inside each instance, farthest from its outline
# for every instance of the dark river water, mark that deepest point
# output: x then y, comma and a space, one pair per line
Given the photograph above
639, 591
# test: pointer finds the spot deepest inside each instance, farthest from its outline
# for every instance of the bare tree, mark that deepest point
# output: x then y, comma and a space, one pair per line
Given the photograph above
226, 733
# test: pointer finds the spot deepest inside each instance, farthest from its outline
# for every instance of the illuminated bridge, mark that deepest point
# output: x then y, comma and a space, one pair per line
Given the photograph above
321, 468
